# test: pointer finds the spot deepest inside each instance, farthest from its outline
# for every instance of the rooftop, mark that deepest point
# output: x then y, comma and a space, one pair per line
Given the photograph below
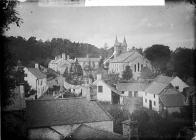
159, 83
172, 98
133, 86
37, 73
43, 113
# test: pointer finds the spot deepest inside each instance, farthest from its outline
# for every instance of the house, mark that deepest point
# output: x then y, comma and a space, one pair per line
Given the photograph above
132, 89
36, 79
106, 92
160, 89
58, 118
85, 132
121, 58
92, 62
61, 63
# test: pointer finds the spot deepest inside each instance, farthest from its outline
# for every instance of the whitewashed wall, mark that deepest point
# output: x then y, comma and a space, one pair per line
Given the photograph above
106, 94
148, 97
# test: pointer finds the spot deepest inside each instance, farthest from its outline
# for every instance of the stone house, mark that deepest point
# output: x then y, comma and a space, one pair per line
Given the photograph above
159, 93
58, 118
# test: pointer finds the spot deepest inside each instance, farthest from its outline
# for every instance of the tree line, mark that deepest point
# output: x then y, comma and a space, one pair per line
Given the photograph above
28, 50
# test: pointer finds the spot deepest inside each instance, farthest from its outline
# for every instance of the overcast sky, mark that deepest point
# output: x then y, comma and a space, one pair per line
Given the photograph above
142, 26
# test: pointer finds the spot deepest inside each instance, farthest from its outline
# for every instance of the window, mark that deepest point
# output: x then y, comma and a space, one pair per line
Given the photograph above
154, 95
130, 93
138, 67
177, 87
145, 100
154, 103
135, 94
141, 67
100, 88
135, 67
122, 92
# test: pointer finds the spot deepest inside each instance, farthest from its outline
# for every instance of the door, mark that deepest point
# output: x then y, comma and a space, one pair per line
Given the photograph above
150, 104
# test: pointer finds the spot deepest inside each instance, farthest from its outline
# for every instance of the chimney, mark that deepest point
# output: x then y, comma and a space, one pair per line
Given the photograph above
63, 56
99, 76
130, 129
36, 65
87, 56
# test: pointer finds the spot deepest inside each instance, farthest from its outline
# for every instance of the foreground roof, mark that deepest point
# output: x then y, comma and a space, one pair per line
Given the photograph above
37, 73
172, 98
84, 132
44, 113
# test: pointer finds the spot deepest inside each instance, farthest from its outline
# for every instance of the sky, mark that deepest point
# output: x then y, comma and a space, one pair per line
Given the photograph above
172, 24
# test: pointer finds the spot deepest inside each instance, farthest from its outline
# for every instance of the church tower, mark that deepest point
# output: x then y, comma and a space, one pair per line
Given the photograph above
124, 45
116, 47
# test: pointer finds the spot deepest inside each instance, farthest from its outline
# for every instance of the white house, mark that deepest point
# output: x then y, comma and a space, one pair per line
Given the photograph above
58, 118
61, 63
121, 58
106, 92
36, 79
163, 87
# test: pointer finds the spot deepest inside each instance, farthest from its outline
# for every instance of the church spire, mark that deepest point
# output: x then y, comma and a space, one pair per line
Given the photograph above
116, 41
124, 42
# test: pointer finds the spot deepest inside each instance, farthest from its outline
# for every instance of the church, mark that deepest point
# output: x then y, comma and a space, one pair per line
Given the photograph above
121, 57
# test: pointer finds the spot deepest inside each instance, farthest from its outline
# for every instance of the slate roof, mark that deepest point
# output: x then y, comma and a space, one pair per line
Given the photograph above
172, 98
85, 132
122, 57
163, 79
44, 113
159, 83
133, 86
37, 73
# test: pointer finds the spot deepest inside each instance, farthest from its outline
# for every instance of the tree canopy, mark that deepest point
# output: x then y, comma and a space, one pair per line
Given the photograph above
127, 73
159, 55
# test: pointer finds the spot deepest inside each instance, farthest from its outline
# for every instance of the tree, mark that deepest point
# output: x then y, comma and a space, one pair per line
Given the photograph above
127, 73
146, 73
113, 78
159, 55
8, 16
183, 62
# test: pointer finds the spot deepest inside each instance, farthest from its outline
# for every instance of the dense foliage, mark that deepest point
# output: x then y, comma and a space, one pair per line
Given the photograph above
41, 51
127, 73
178, 63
